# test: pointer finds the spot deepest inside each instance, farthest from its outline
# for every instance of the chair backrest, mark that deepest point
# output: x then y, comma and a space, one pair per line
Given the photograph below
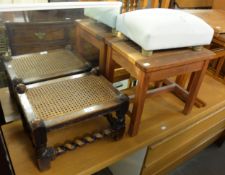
219, 4
130, 5
194, 3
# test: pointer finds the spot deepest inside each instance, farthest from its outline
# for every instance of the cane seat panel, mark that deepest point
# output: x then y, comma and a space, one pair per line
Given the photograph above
45, 63
60, 98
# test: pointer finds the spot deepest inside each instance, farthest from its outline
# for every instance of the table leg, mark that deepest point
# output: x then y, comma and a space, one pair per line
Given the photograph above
194, 88
182, 79
78, 40
110, 65
139, 100
102, 59
39, 137
219, 66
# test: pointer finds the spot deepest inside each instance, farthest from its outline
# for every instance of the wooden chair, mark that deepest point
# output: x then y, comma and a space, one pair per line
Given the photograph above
130, 5
155, 4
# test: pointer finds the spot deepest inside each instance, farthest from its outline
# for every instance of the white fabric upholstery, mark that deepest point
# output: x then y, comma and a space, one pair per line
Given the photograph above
106, 15
155, 29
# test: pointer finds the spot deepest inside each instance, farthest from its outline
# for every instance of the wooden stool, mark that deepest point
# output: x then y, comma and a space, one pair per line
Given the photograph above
42, 66
96, 34
56, 103
160, 66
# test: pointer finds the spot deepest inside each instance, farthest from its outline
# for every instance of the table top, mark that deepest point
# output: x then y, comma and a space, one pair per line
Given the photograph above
215, 18
165, 111
39, 66
95, 28
160, 59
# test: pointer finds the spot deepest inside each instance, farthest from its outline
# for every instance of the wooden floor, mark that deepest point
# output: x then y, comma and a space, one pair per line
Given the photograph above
207, 162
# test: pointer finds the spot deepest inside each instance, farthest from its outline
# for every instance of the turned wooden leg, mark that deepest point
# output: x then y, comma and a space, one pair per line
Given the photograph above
39, 134
194, 88
139, 100
121, 114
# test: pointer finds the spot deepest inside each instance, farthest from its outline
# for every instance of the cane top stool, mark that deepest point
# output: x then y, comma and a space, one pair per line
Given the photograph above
37, 67
56, 103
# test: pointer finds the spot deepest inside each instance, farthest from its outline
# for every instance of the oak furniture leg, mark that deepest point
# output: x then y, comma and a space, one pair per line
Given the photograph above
121, 118
102, 56
139, 100
219, 66
43, 154
110, 65
194, 88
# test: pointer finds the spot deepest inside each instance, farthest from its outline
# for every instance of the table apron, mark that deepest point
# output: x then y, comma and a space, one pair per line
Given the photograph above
174, 71
125, 63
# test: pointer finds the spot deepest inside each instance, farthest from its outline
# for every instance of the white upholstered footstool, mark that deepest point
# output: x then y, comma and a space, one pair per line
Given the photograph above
156, 29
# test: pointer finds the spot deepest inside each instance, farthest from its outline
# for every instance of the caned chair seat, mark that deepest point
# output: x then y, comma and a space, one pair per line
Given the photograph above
40, 66
56, 103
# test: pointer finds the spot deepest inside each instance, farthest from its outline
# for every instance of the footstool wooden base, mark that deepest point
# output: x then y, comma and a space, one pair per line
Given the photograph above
60, 102
158, 67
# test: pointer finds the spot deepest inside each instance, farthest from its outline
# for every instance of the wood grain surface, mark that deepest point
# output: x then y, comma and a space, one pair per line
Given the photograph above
162, 110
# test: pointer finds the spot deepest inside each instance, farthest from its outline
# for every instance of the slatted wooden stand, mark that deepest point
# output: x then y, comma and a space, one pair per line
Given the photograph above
160, 66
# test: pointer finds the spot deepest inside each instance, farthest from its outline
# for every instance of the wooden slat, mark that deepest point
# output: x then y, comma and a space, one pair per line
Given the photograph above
194, 3
218, 4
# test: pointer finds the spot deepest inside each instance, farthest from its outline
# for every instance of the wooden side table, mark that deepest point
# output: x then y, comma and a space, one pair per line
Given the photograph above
159, 66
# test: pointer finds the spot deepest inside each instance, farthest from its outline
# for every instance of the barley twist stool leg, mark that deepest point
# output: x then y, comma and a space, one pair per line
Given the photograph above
121, 113
43, 153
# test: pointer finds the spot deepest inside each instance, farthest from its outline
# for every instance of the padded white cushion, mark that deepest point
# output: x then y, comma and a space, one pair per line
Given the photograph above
155, 29
106, 15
